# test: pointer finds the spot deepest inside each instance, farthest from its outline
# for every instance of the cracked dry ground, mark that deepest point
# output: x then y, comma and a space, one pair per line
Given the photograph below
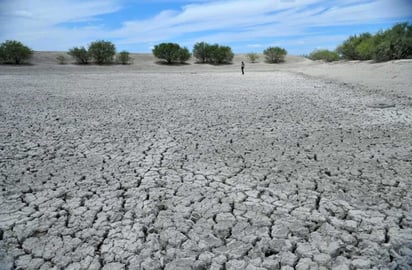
202, 171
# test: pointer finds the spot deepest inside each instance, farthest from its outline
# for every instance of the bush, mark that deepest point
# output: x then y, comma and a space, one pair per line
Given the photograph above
124, 58
171, 52
350, 49
220, 54
80, 55
365, 49
201, 51
324, 55
398, 40
383, 52
275, 54
14, 52
213, 54
184, 55
394, 43
61, 59
253, 57
102, 52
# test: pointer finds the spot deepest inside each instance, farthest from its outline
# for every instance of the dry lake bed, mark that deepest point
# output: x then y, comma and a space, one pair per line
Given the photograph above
199, 167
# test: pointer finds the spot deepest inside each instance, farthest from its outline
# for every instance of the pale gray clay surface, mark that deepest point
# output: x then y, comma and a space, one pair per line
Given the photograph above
118, 168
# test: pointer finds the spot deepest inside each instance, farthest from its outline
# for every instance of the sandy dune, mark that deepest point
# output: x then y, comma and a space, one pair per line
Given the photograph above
303, 165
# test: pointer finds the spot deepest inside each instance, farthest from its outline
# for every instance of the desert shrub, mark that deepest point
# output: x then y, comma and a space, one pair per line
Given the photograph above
14, 52
324, 55
167, 51
184, 55
123, 58
171, 52
397, 42
102, 52
213, 54
365, 49
393, 43
350, 50
253, 57
220, 54
201, 51
275, 54
382, 52
61, 59
80, 55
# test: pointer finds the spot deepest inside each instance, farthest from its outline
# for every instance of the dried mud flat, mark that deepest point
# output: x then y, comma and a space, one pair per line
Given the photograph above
109, 168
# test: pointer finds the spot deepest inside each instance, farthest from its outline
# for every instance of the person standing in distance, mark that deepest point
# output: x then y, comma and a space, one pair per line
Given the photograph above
242, 67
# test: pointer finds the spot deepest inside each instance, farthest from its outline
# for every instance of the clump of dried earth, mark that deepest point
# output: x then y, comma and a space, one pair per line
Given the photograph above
201, 168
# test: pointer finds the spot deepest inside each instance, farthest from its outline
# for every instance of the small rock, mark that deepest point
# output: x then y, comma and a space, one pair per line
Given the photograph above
334, 248
271, 263
322, 258
113, 266
221, 259
341, 263
305, 250
288, 258
206, 257
253, 267
235, 265
361, 263
306, 264
76, 266
183, 264
280, 231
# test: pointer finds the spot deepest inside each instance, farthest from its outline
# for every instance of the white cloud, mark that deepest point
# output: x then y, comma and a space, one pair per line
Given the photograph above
39, 23
241, 20
43, 24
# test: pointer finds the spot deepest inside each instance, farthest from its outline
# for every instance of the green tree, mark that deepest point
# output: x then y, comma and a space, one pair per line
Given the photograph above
102, 52
253, 57
124, 58
324, 55
393, 43
358, 47
348, 48
201, 51
167, 51
383, 52
400, 39
184, 55
14, 52
220, 54
275, 54
80, 55
365, 49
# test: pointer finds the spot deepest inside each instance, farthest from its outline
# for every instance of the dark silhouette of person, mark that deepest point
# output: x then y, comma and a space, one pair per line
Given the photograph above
242, 67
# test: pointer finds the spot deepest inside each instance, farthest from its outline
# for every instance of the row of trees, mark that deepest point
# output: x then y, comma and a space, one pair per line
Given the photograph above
212, 54
104, 52
202, 51
272, 55
101, 52
393, 43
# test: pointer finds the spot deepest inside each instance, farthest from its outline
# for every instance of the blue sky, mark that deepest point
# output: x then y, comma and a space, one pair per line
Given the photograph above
299, 26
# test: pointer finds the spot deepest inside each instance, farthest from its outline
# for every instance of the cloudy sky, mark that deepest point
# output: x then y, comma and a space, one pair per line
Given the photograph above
246, 25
